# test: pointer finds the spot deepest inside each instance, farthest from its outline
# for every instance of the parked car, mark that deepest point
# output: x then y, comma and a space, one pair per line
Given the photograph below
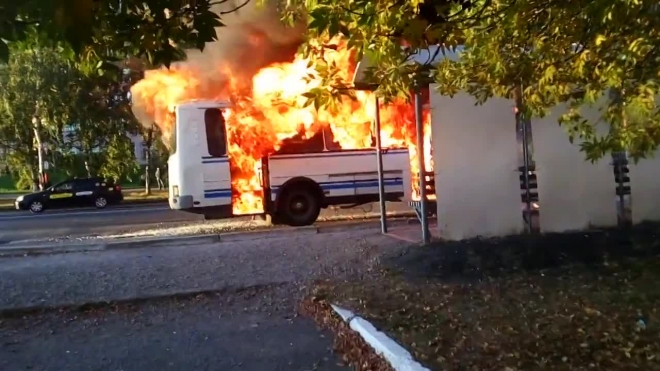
71, 193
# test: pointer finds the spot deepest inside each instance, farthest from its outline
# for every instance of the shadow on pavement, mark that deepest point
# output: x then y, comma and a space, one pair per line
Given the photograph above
479, 258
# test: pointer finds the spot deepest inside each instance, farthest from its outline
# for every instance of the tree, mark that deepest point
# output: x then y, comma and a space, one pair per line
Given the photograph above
539, 53
155, 153
148, 136
158, 30
99, 117
33, 98
118, 158
83, 117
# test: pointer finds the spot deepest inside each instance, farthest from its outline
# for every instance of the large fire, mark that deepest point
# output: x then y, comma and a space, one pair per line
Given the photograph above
271, 109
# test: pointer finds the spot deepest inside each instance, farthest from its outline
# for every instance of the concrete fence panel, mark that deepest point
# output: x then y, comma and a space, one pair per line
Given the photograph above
574, 194
476, 160
645, 189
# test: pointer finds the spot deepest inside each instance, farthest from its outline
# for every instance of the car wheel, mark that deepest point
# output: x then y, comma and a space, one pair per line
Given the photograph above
101, 202
300, 207
36, 207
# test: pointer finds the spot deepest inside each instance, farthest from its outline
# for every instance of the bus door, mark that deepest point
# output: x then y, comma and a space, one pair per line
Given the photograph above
216, 172
264, 179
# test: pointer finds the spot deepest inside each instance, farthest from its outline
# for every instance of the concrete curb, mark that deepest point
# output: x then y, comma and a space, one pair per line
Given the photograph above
268, 232
398, 357
9, 251
8, 312
10, 209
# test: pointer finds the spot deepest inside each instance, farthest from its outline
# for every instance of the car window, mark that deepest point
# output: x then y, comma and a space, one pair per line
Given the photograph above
85, 185
64, 187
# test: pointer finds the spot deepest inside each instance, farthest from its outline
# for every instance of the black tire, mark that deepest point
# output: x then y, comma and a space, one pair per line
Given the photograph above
100, 202
298, 207
36, 207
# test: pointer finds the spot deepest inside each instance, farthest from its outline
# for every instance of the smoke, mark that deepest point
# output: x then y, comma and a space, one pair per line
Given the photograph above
253, 37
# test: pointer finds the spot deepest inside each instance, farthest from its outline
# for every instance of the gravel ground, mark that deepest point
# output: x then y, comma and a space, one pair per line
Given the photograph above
54, 280
248, 323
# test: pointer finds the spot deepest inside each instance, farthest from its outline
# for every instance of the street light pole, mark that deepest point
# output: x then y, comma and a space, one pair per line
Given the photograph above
419, 120
381, 181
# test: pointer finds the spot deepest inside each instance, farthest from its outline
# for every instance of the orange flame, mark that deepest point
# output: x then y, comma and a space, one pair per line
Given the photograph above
272, 110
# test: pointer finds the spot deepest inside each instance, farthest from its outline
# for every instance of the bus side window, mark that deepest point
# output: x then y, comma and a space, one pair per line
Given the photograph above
329, 140
215, 132
372, 130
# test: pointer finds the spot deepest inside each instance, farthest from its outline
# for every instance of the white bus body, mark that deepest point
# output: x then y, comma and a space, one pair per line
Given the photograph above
297, 184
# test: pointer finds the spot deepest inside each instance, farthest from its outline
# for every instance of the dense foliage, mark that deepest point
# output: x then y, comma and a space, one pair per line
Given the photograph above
76, 115
103, 29
541, 53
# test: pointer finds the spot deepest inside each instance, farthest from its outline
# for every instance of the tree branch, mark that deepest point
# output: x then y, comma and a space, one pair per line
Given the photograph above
246, 2
218, 2
352, 11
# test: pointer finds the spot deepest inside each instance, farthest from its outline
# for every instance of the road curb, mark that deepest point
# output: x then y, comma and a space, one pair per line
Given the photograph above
397, 356
10, 209
102, 246
12, 312
168, 241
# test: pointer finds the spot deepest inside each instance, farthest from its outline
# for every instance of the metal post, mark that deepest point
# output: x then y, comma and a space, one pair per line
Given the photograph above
422, 166
618, 160
522, 120
381, 181
528, 193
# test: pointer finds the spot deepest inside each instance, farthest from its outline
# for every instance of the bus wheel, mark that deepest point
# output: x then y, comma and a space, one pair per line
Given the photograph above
299, 207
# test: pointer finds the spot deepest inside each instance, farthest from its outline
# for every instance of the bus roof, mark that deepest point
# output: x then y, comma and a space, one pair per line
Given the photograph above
205, 104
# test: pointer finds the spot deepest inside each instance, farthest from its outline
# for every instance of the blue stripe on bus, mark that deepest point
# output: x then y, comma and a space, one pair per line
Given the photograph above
360, 184
342, 184
338, 154
216, 160
213, 157
226, 193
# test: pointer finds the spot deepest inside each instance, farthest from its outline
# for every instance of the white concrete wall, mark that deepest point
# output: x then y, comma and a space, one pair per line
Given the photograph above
475, 155
574, 194
645, 189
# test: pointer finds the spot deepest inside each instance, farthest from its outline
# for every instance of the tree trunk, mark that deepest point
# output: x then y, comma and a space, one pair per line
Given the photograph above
88, 162
35, 183
147, 171
40, 152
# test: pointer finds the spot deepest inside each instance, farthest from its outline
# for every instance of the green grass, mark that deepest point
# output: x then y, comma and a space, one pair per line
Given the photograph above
130, 197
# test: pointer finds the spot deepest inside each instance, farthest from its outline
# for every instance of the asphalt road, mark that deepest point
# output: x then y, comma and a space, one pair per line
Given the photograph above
246, 321
21, 225
17, 225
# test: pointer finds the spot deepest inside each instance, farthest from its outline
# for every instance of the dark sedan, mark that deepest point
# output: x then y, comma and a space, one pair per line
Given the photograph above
72, 193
